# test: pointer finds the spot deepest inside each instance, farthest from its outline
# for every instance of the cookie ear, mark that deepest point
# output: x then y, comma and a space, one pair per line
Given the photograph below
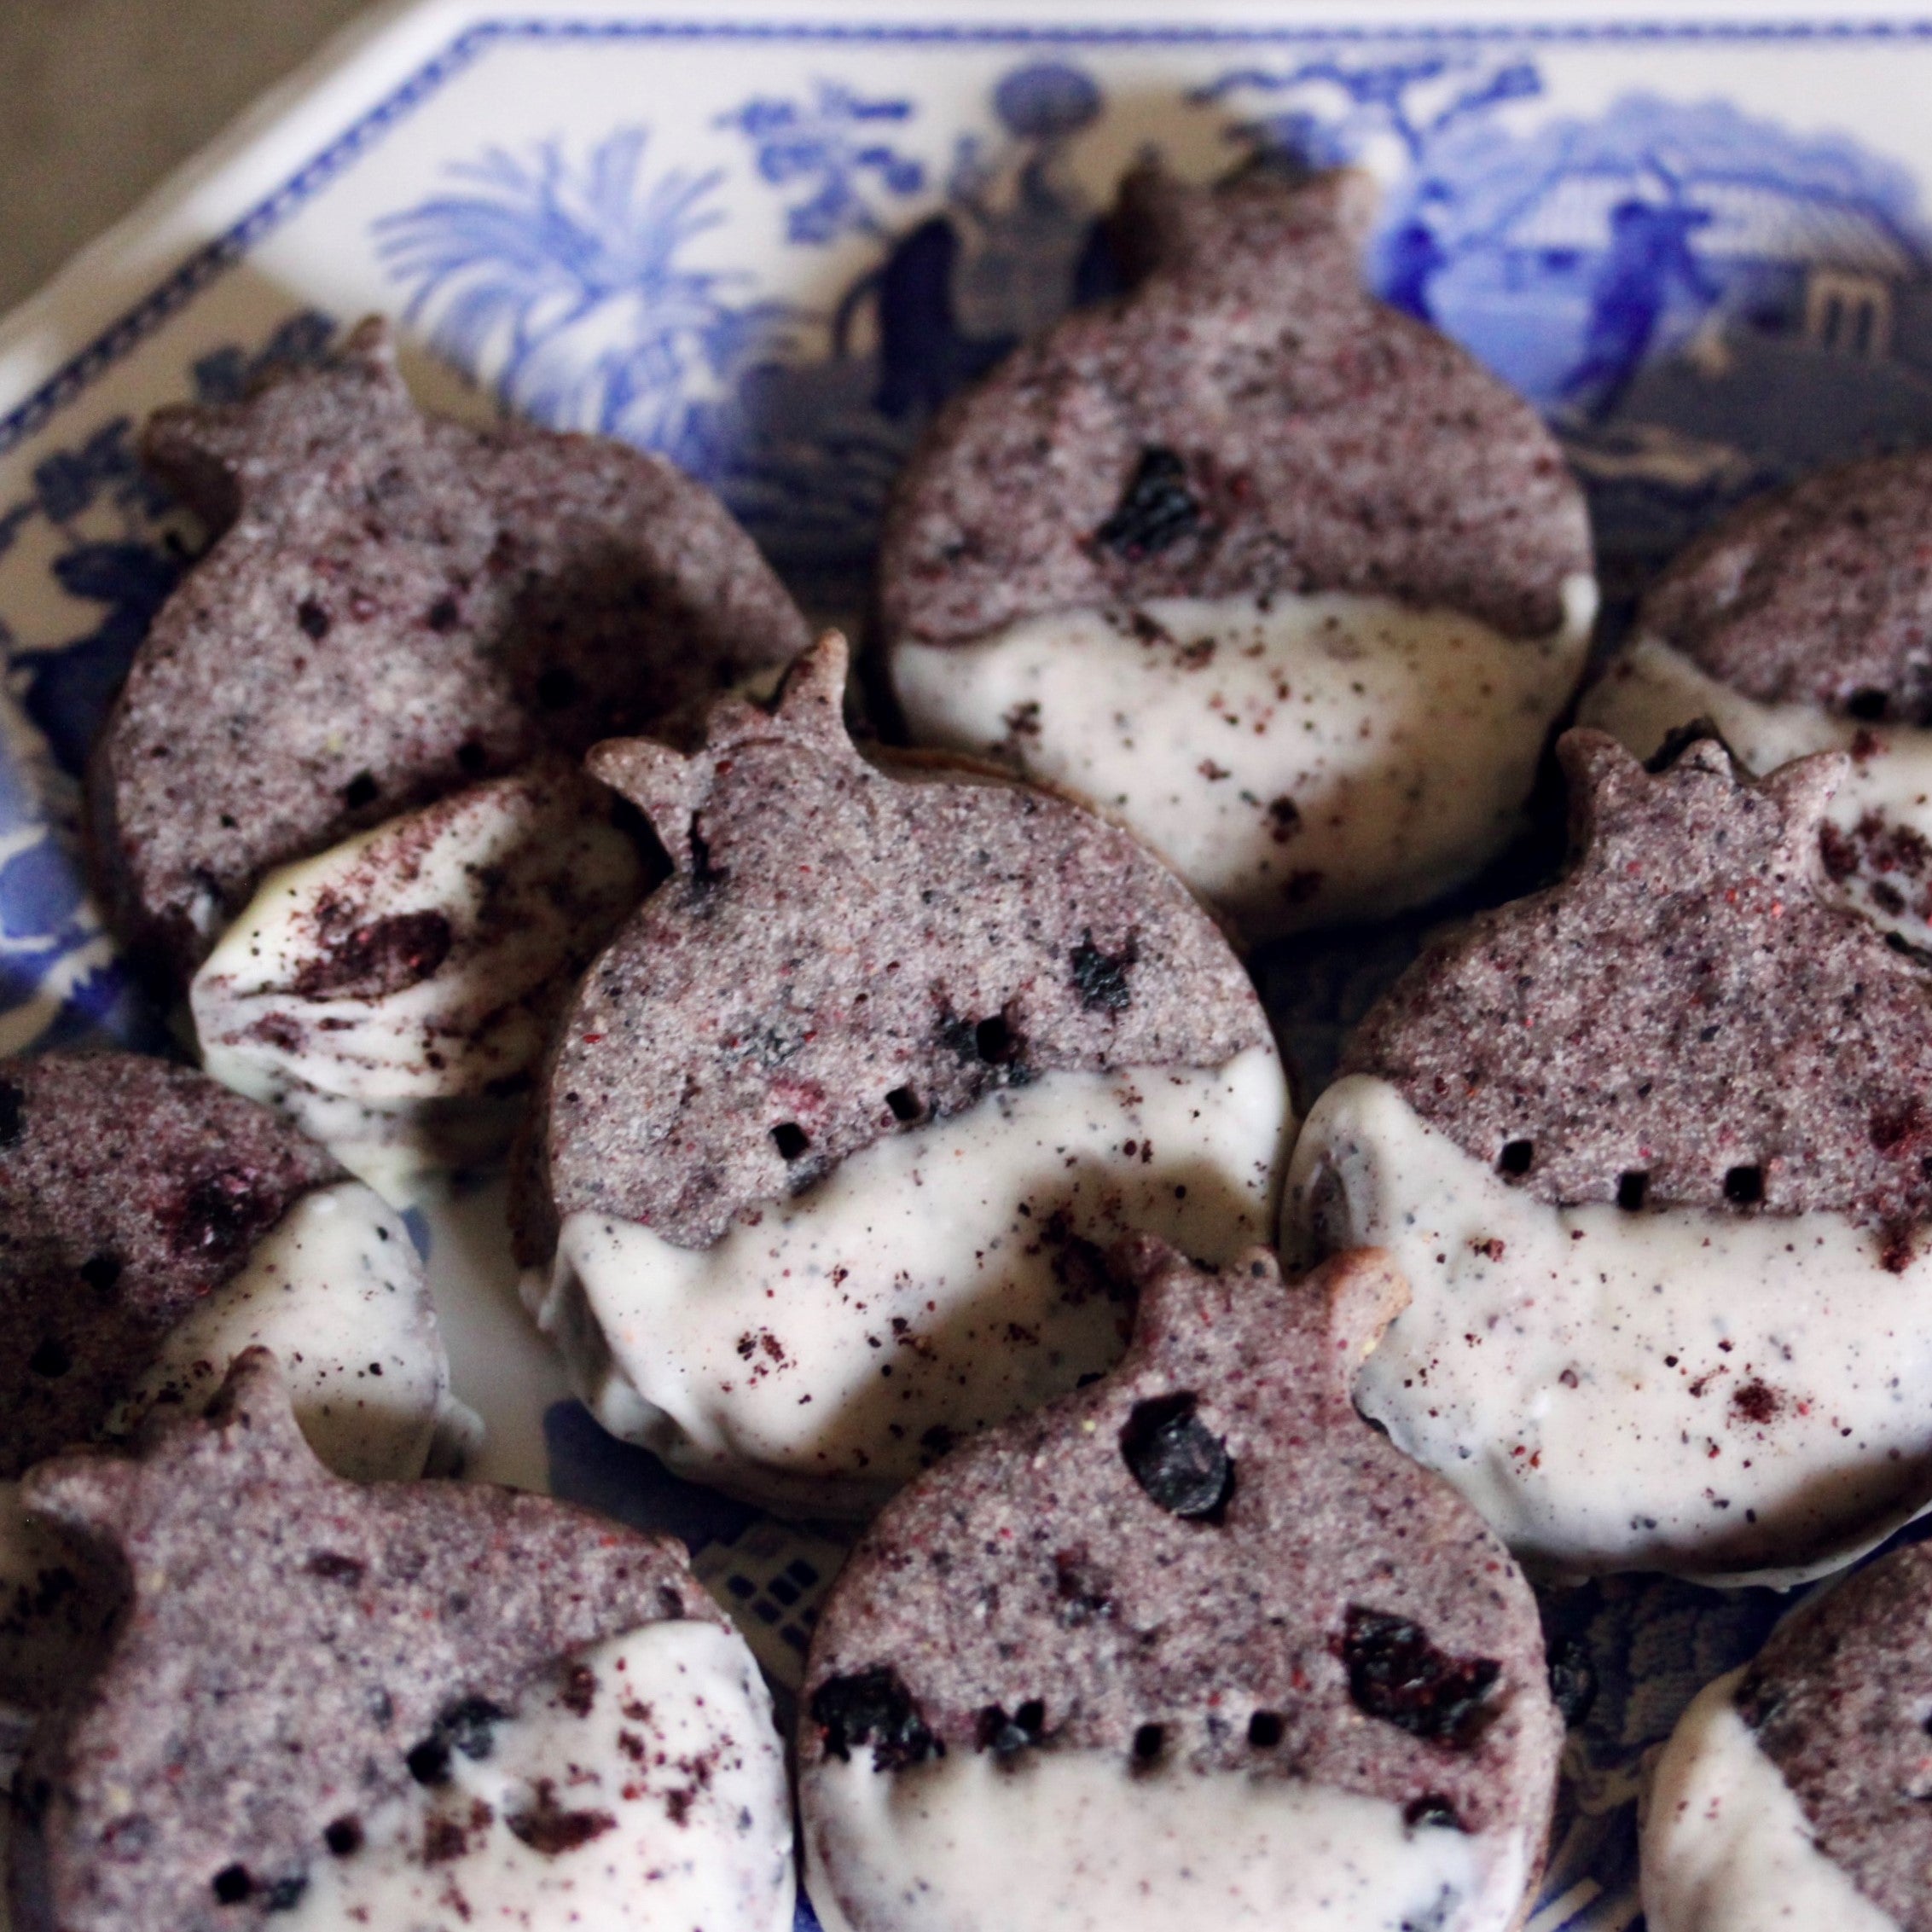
664, 785
1341, 1309
1604, 778
93, 1493
105, 1496
200, 451
670, 788
1804, 789
1162, 226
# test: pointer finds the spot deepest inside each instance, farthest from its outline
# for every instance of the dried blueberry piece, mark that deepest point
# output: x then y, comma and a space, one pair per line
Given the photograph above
1156, 509
557, 689
1573, 1681
1395, 1673
101, 1272
1004, 1736
52, 1359
429, 1761
10, 1099
471, 1726
233, 1884
284, 1895
387, 955
1100, 978
1181, 1464
873, 1706
220, 1215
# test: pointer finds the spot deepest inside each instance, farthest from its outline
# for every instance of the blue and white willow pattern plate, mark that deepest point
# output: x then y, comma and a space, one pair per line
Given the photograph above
771, 244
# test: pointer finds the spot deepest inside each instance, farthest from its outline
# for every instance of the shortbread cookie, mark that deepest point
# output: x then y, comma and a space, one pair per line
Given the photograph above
1650, 1145
833, 1127
1280, 578
1193, 1646
153, 1226
395, 607
410, 1704
1792, 1793
1802, 623
393, 995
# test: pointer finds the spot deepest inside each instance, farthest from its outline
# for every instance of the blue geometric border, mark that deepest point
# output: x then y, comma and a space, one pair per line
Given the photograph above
213, 258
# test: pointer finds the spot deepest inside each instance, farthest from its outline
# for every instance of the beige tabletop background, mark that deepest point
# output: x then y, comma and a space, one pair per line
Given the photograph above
100, 99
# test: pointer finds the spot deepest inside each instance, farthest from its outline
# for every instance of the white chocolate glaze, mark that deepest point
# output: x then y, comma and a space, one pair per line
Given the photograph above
1078, 1842
935, 1282
1710, 1393
672, 1776
1726, 1847
337, 1290
1298, 760
395, 1066
1651, 688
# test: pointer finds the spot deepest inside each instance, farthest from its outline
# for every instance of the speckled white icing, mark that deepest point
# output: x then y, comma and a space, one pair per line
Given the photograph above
933, 1283
393, 1079
1296, 760
1613, 1390
1077, 1841
676, 1768
337, 1290
1651, 688
1726, 1847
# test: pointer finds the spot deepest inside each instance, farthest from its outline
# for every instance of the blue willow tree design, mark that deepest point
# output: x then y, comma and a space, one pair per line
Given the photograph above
558, 282
1416, 98
831, 145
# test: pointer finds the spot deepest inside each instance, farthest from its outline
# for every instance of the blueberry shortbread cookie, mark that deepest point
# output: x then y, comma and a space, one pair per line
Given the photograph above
434, 1704
833, 1128
396, 605
1652, 1146
151, 1227
395, 608
1277, 575
392, 995
1195, 1646
1793, 1791
1804, 623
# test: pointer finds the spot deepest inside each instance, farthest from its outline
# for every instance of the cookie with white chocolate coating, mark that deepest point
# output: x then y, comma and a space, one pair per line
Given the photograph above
1803, 622
394, 605
1273, 574
1273, 1666
412, 1697
1683, 1005
832, 1134
1791, 1791
1649, 1145
131, 1190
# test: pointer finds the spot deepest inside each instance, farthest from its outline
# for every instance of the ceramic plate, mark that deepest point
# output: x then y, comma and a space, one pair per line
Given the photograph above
770, 242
